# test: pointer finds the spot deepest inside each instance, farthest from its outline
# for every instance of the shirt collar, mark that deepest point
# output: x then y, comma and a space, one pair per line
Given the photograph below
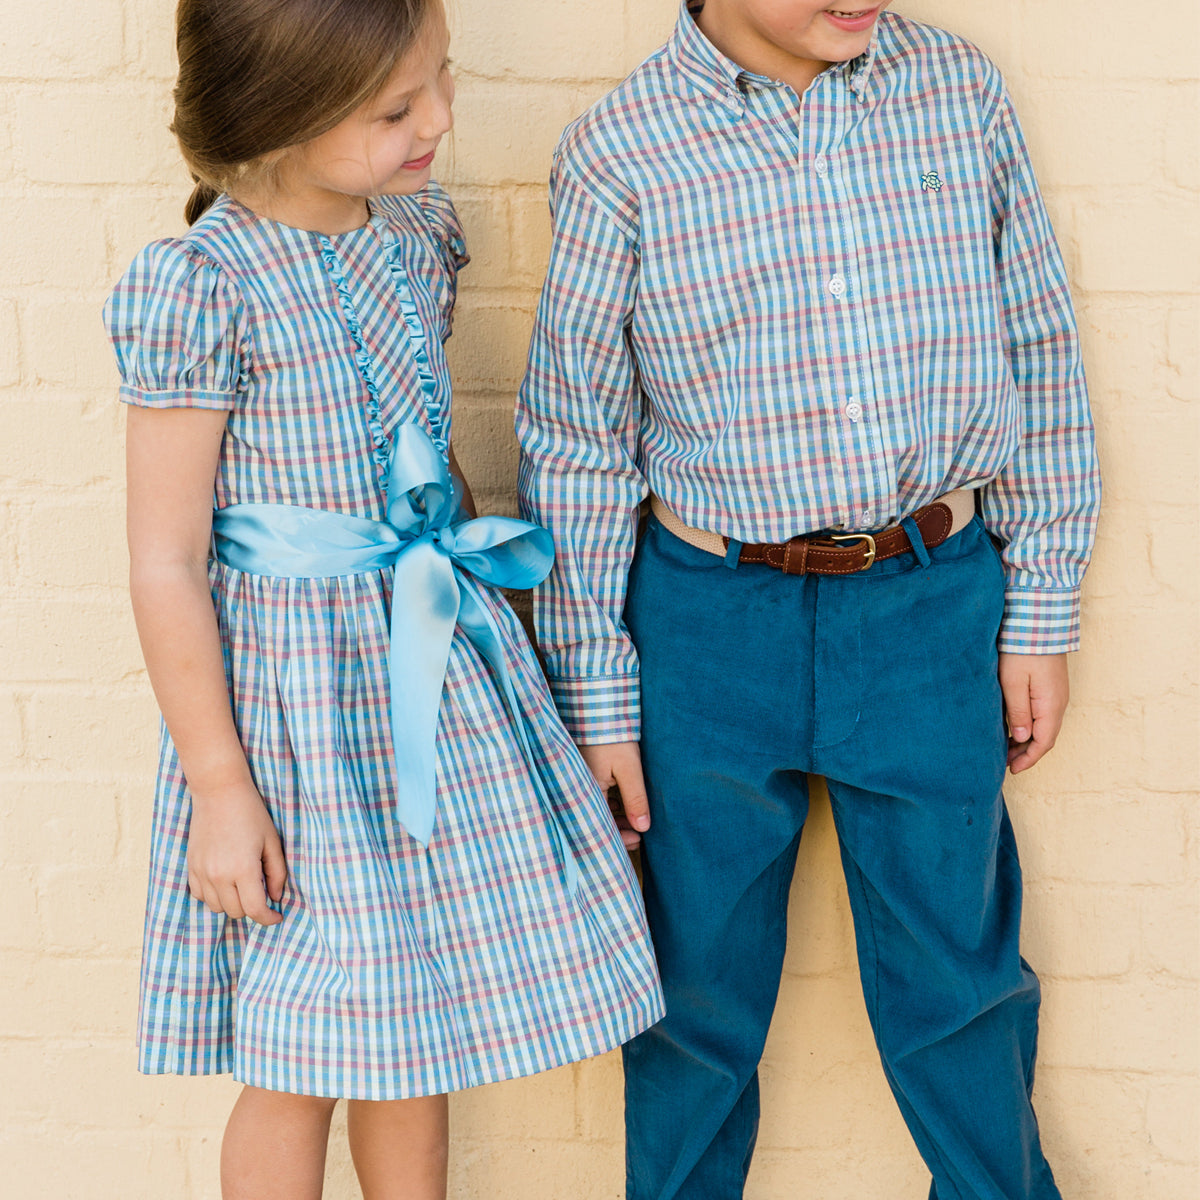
720, 77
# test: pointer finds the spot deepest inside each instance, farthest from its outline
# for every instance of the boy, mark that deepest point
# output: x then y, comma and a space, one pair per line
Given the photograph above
804, 294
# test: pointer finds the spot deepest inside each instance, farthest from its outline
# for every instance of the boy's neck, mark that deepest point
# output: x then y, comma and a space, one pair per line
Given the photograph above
739, 43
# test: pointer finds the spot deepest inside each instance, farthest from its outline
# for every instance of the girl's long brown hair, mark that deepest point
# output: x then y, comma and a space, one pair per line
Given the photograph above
257, 76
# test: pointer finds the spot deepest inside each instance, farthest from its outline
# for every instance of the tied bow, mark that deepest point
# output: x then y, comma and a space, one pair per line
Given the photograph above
440, 557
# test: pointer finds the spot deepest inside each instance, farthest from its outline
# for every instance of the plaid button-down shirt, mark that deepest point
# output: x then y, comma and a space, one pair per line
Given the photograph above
789, 315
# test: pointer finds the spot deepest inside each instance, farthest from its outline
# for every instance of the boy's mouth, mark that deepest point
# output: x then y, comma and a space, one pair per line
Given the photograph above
852, 19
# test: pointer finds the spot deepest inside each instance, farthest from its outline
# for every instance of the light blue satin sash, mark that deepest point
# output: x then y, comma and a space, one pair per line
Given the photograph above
438, 555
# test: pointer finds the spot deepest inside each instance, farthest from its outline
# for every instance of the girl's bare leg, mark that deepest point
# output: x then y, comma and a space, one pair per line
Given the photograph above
399, 1147
274, 1146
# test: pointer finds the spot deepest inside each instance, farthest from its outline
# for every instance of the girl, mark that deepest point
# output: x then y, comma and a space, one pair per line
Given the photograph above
380, 871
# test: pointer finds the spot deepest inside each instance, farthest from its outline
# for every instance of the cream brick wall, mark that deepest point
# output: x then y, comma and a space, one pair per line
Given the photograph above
1108, 824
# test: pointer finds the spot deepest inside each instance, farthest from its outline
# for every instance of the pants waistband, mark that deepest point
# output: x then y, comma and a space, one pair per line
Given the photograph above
834, 554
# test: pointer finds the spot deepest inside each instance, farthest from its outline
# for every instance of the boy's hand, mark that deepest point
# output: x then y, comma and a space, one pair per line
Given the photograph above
619, 765
234, 856
1036, 689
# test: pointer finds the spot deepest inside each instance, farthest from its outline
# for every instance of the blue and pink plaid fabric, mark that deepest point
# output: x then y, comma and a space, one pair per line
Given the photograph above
395, 972
785, 317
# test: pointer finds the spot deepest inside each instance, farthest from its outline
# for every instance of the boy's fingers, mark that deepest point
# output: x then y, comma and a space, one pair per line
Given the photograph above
1020, 713
630, 838
1048, 712
1046, 728
1045, 734
1015, 682
637, 810
1036, 690
1022, 757
597, 762
633, 795
619, 766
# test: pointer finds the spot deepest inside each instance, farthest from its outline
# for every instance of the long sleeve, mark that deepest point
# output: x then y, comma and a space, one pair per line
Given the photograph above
578, 418
1043, 505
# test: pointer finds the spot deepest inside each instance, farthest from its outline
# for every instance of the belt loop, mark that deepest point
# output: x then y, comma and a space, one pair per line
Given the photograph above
732, 551
918, 542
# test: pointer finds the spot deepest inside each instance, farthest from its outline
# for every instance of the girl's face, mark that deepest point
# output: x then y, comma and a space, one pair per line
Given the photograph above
384, 147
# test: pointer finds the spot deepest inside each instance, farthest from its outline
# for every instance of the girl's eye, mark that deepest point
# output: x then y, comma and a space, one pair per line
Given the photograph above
400, 114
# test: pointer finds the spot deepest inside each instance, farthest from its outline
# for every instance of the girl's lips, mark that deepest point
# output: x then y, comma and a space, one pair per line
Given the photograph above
419, 164
863, 18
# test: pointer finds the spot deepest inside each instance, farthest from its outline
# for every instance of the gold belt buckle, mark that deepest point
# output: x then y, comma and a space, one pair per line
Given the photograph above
858, 537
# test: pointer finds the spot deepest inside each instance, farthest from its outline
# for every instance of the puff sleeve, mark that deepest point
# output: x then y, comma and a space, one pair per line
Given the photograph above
179, 330
446, 232
447, 229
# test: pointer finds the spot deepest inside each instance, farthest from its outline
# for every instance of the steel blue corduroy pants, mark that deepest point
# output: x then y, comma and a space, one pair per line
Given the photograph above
885, 683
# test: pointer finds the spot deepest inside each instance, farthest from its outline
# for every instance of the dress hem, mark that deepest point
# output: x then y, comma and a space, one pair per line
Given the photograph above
463, 1079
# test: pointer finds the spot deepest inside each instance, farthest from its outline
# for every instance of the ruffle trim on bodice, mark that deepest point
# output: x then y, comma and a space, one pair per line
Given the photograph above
364, 359
418, 343
418, 340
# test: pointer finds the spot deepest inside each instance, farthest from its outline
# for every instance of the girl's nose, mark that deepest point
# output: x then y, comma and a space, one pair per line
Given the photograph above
436, 117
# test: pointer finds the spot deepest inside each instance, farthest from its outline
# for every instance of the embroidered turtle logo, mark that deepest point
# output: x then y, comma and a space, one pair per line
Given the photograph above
931, 181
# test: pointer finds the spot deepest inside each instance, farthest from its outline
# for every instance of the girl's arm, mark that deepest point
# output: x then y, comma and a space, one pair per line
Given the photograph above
233, 846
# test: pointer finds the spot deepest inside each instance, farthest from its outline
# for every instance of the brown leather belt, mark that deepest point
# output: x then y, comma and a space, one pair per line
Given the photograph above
835, 554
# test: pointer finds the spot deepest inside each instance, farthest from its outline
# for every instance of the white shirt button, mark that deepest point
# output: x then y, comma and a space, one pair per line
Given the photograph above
854, 410
821, 165
867, 517
837, 286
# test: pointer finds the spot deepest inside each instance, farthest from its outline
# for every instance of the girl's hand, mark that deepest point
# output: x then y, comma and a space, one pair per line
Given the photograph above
235, 859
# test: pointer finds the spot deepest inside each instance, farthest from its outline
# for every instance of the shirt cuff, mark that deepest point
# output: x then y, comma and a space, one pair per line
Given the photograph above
1037, 622
131, 393
600, 709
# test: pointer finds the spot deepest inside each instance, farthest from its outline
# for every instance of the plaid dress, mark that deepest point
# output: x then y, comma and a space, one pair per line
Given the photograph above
397, 970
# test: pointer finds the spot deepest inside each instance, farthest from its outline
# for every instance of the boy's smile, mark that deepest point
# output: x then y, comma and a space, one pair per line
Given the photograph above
791, 40
853, 20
